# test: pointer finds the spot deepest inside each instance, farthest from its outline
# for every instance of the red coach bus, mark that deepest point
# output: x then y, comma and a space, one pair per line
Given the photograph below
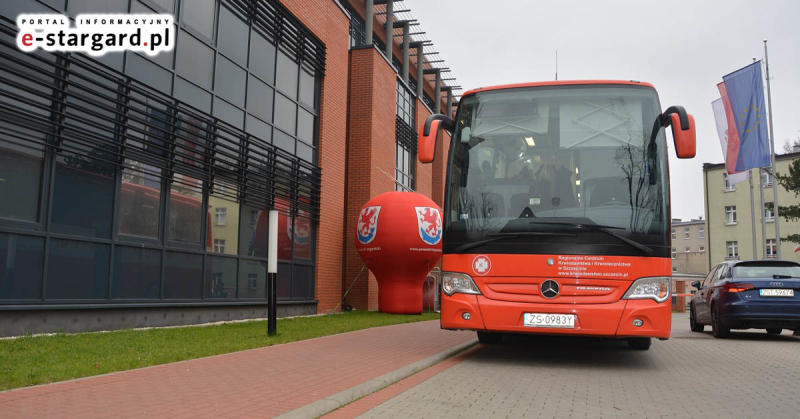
557, 214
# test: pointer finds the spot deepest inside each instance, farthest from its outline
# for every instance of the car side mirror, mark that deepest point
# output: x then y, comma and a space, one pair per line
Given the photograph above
428, 133
696, 284
683, 131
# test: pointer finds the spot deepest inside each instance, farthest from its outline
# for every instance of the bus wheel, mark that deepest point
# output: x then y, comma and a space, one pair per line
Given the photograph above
641, 344
490, 338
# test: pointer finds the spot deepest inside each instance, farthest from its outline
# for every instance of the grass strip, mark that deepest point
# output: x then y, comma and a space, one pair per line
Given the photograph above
33, 360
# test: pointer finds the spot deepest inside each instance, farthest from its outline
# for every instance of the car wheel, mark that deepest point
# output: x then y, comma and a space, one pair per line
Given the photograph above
641, 344
696, 327
490, 338
774, 331
720, 331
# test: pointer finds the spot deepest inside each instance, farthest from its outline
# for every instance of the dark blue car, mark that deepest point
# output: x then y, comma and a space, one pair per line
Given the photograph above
756, 294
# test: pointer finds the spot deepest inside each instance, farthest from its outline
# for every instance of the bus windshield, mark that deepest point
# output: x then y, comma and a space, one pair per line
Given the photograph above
533, 165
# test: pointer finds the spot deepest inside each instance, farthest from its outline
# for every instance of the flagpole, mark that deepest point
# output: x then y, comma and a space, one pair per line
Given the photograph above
763, 219
752, 214
772, 161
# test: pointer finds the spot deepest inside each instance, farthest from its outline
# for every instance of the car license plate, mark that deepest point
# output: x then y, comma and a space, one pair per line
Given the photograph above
776, 293
559, 321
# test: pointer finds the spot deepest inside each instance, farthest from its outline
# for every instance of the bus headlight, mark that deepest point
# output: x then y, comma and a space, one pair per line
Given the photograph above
655, 288
453, 283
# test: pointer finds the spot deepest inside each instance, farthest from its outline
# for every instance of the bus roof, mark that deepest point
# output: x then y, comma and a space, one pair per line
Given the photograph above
558, 83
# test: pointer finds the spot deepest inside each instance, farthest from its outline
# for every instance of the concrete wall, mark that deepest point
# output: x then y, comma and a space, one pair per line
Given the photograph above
21, 322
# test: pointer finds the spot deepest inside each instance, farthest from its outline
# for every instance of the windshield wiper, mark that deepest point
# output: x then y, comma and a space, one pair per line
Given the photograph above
499, 236
776, 276
604, 229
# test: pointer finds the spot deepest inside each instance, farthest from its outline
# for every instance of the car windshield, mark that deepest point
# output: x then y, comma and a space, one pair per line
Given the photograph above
546, 158
766, 271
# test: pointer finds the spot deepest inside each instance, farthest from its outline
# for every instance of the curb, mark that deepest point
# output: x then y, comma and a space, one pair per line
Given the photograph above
335, 401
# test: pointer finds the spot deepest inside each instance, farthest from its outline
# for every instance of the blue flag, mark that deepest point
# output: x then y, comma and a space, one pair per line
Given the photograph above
745, 90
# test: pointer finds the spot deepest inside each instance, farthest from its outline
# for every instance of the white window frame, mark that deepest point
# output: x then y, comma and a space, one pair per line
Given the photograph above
686, 233
674, 253
728, 187
674, 234
732, 250
702, 248
687, 249
766, 179
730, 215
769, 216
219, 246
220, 216
772, 249
701, 233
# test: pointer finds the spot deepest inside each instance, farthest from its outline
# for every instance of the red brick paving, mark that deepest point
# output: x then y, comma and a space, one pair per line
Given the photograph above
366, 403
259, 383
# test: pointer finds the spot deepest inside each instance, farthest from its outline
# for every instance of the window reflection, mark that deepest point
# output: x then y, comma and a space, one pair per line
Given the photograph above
140, 200
252, 279
20, 177
220, 277
185, 210
137, 273
224, 231
253, 231
199, 14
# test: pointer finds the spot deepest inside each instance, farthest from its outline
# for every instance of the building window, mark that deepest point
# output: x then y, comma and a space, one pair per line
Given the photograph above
686, 233
357, 26
766, 179
687, 249
732, 250
701, 233
674, 234
772, 249
730, 215
702, 248
728, 185
252, 281
406, 137
220, 215
219, 245
768, 215
674, 253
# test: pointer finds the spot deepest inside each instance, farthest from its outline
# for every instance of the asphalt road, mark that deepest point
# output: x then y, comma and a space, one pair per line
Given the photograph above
692, 375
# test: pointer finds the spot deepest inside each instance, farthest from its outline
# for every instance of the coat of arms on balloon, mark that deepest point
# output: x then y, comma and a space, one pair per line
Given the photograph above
429, 223
367, 227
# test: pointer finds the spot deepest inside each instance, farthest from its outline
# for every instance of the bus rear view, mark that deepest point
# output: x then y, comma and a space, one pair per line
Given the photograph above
557, 215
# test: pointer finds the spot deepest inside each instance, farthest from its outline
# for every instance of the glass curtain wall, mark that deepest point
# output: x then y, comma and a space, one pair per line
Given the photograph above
148, 179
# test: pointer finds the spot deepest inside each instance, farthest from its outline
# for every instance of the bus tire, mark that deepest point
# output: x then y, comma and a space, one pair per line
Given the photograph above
490, 338
641, 344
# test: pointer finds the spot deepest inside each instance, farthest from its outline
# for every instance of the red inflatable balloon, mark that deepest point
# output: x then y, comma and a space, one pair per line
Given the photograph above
399, 237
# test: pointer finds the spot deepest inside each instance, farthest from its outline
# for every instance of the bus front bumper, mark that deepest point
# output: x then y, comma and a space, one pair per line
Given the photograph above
612, 320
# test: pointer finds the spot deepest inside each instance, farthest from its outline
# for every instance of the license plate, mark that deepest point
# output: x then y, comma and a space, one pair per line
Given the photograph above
776, 293
559, 321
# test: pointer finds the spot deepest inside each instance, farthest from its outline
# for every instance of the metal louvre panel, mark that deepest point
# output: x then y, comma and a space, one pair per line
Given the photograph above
80, 108
274, 22
406, 136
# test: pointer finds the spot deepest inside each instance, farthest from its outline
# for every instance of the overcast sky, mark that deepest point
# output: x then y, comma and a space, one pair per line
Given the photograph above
682, 47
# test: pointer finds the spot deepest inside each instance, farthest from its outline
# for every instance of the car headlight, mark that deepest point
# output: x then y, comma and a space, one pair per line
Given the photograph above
655, 288
453, 283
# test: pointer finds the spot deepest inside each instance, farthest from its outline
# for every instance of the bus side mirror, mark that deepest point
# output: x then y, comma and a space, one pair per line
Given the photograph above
428, 133
696, 284
683, 131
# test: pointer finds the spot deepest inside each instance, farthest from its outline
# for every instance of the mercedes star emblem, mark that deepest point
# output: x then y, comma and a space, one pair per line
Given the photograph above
550, 288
